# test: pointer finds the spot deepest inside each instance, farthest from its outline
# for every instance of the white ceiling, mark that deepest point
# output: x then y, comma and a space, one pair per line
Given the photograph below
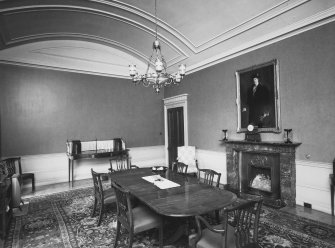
105, 36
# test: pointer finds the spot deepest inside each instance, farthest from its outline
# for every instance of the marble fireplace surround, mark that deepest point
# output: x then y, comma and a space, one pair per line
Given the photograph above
235, 150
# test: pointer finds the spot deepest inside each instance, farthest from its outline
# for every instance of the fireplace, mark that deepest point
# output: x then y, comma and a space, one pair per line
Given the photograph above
263, 168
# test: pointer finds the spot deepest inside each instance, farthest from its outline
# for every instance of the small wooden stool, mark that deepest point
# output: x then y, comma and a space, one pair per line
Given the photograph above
331, 176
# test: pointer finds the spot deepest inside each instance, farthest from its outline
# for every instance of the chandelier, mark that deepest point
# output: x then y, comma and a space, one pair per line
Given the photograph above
156, 75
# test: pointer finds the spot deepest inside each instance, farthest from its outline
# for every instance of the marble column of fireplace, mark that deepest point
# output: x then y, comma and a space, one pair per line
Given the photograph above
286, 152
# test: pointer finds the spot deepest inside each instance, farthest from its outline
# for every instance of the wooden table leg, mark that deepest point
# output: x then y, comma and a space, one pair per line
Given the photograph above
69, 162
72, 171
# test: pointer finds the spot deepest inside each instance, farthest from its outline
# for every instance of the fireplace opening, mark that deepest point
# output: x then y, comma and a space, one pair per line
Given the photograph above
260, 175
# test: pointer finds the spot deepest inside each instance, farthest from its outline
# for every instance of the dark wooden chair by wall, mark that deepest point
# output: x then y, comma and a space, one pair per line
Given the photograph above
9, 168
240, 230
134, 220
102, 196
14, 167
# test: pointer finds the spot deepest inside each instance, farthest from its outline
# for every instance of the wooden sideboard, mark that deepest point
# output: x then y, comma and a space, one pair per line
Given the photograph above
77, 149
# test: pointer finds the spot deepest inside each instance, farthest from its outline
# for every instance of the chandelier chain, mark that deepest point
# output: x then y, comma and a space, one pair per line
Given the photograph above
156, 22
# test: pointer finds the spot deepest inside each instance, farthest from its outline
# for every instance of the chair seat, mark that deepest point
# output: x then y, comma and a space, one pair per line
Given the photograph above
144, 219
109, 196
27, 175
215, 240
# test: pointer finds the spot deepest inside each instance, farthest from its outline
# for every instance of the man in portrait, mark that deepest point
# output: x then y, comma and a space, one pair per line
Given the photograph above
258, 101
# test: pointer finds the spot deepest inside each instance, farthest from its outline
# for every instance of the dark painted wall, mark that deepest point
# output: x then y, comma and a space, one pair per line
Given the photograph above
41, 109
307, 94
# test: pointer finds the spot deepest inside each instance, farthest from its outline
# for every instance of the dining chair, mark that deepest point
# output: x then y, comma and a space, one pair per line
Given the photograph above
102, 196
134, 220
210, 177
180, 168
239, 228
120, 163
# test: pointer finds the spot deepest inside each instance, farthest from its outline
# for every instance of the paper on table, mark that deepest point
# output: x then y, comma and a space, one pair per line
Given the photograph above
161, 182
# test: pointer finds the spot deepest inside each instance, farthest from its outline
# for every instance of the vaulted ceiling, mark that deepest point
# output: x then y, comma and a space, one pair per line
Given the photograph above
105, 36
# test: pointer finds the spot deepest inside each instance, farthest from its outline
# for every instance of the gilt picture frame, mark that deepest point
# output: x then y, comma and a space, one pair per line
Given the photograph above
258, 101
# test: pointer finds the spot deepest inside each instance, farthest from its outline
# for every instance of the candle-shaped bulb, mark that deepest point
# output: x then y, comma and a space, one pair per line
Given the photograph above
132, 70
182, 69
158, 65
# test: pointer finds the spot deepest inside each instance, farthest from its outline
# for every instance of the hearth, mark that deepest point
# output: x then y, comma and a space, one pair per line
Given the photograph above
263, 168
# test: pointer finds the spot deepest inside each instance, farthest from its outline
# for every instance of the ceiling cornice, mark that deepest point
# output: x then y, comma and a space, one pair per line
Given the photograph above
307, 24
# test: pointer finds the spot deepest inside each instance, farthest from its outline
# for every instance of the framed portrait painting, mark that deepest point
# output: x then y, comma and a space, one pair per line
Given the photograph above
258, 97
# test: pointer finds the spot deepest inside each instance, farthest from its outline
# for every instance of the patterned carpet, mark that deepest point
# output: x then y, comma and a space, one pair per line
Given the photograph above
63, 220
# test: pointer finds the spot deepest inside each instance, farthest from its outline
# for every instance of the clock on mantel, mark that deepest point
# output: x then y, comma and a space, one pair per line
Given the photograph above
252, 134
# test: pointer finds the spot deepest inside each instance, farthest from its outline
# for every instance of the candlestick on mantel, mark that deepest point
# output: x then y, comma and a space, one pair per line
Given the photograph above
224, 135
288, 134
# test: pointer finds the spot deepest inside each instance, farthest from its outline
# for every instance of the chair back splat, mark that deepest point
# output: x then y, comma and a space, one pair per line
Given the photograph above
124, 208
244, 221
121, 163
180, 168
98, 190
210, 177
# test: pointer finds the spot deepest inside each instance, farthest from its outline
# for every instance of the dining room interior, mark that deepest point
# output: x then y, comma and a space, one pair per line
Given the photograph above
86, 82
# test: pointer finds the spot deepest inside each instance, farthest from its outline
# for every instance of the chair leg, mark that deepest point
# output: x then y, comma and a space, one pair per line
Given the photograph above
332, 198
130, 239
118, 227
102, 210
94, 207
33, 182
217, 216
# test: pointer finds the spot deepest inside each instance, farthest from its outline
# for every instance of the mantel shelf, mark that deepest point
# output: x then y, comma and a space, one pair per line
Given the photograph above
266, 143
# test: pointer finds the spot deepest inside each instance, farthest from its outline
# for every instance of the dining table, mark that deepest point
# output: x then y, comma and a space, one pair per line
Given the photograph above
171, 194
